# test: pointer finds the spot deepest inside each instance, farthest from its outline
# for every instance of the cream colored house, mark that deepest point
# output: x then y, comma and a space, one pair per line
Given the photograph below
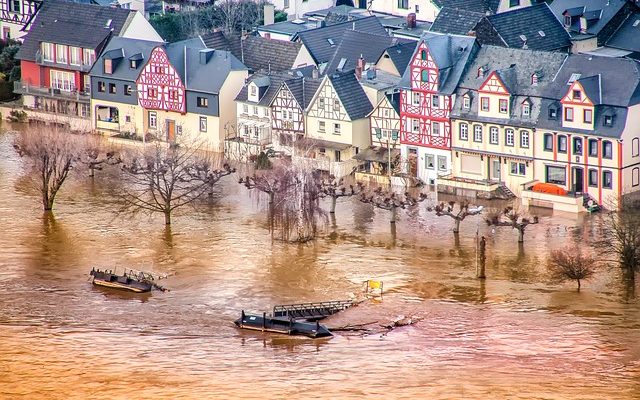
425, 10
337, 126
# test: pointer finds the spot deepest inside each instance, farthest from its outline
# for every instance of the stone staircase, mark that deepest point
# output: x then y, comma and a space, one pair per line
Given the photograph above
504, 192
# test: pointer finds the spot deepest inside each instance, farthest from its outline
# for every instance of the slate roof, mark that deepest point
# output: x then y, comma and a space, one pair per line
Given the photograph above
627, 36
318, 41
303, 89
351, 94
74, 24
456, 21
275, 82
355, 44
514, 67
451, 54
479, 6
400, 54
511, 25
604, 9
128, 49
216, 40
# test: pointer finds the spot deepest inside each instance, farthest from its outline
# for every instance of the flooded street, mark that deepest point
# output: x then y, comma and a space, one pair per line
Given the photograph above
515, 336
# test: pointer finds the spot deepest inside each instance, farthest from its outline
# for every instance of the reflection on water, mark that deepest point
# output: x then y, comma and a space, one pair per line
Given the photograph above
512, 336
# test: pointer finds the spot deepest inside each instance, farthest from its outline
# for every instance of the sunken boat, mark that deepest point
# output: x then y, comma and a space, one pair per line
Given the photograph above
130, 280
285, 325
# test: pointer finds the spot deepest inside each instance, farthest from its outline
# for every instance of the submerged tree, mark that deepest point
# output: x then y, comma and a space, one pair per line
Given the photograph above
387, 200
570, 264
620, 233
511, 217
162, 178
95, 155
52, 153
335, 189
448, 209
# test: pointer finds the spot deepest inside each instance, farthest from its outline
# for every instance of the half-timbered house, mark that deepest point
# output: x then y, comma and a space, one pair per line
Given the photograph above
427, 95
16, 16
337, 124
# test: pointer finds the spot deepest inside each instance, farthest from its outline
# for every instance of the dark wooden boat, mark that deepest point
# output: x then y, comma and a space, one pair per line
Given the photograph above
133, 281
285, 325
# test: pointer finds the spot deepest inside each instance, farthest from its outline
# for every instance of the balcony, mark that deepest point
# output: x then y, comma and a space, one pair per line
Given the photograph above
53, 64
23, 88
465, 184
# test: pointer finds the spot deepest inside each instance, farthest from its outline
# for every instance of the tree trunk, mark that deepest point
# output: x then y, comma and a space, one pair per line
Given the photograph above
393, 214
482, 258
578, 284
333, 205
167, 217
520, 235
456, 226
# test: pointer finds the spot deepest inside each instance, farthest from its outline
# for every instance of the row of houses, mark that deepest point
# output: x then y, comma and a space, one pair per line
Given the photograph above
454, 111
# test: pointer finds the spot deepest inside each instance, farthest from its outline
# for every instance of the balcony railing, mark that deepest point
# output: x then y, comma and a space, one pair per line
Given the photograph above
21, 87
109, 125
257, 141
52, 63
482, 185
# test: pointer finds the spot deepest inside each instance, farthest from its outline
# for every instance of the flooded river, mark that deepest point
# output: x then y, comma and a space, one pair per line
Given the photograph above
516, 336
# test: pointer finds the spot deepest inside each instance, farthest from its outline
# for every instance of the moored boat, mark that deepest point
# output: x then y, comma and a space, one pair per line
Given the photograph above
285, 325
133, 281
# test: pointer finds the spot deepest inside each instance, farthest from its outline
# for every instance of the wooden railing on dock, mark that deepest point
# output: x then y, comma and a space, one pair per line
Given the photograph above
311, 311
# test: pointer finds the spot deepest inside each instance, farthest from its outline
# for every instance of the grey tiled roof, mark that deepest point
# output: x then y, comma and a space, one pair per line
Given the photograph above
605, 9
274, 80
129, 49
547, 33
303, 89
216, 40
455, 20
354, 44
318, 41
627, 37
479, 6
351, 94
451, 54
73, 24
614, 130
400, 54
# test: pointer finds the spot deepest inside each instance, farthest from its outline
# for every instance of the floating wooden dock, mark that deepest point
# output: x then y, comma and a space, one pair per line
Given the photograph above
284, 325
311, 311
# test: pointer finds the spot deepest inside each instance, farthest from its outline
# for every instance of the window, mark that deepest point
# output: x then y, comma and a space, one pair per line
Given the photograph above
607, 180
607, 150
102, 87
47, 52
429, 161
477, 133
112, 88
484, 103
593, 148
203, 102
286, 4
61, 54
424, 76
568, 114
76, 55
634, 147
321, 103
416, 124
466, 102
518, 168
64, 81
336, 129
245, 109
442, 163
608, 120
509, 137
127, 118
577, 146
108, 66
464, 132
593, 177
526, 109
320, 126
548, 142
88, 56
153, 119
588, 116
553, 113
14, 6
577, 95
503, 106
562, 144
152, 93
203, 124
423, 54
556, 175
133, 64
435, 129
336, 105
567, 20
255, 110
436, 101
524, 139
493, 135
416, 98
635, 176
534, 80
404, 4
514, 3
417, 8
265, 112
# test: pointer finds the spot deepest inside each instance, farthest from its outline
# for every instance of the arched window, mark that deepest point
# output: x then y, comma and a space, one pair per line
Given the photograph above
635, 147
424, 75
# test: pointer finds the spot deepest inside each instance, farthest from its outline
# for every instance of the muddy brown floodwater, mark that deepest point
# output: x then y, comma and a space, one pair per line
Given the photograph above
514, 337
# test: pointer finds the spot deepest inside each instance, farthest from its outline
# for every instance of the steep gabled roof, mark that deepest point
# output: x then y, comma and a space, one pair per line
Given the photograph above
598, 12
456, 21
400, 54
351, 94
129, 49
216, 40
535, 26
592, 86
485, 7
73, 24
626, 37
323, 42
303, 89
355, 44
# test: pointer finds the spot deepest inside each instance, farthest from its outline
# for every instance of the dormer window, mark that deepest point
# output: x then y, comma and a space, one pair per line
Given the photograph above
480, 72
133, 64
526, 109
553, 113
466, 102
608, 120
567, 21
534, 80
577, 95
108, 66
252, 90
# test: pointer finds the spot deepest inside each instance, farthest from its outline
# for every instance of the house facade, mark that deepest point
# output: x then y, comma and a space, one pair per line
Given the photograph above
16, 17
427, 95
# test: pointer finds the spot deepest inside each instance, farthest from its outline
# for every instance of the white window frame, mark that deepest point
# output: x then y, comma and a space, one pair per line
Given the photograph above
48, 51
153, 120
75, 55
509, 137
203, 124
477, 133
62, 80
62, 54
524, 139
464, 131
494, 134
466, 102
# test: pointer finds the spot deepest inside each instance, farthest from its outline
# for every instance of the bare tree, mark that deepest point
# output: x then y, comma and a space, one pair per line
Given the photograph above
390, 201
95, 155
52, 153
335, 189
162, 178
570, 264
511, 217
235, 16
448, 209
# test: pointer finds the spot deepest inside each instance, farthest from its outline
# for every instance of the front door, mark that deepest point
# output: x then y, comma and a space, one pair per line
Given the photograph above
578, 180
495, 170
413, 162
171, 130
337, 155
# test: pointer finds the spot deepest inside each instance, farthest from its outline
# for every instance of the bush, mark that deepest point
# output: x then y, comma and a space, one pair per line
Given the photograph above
17, 116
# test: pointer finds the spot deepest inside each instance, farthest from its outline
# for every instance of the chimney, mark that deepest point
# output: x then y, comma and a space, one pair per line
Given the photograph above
471, 33
360, 64
411, 20
269, 14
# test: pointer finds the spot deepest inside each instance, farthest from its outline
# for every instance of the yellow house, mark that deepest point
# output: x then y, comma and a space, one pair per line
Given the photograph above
494, 121
337, 126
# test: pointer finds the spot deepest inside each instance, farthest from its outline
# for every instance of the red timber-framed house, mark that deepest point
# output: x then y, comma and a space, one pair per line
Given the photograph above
61, 47
426, 98
16, 16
